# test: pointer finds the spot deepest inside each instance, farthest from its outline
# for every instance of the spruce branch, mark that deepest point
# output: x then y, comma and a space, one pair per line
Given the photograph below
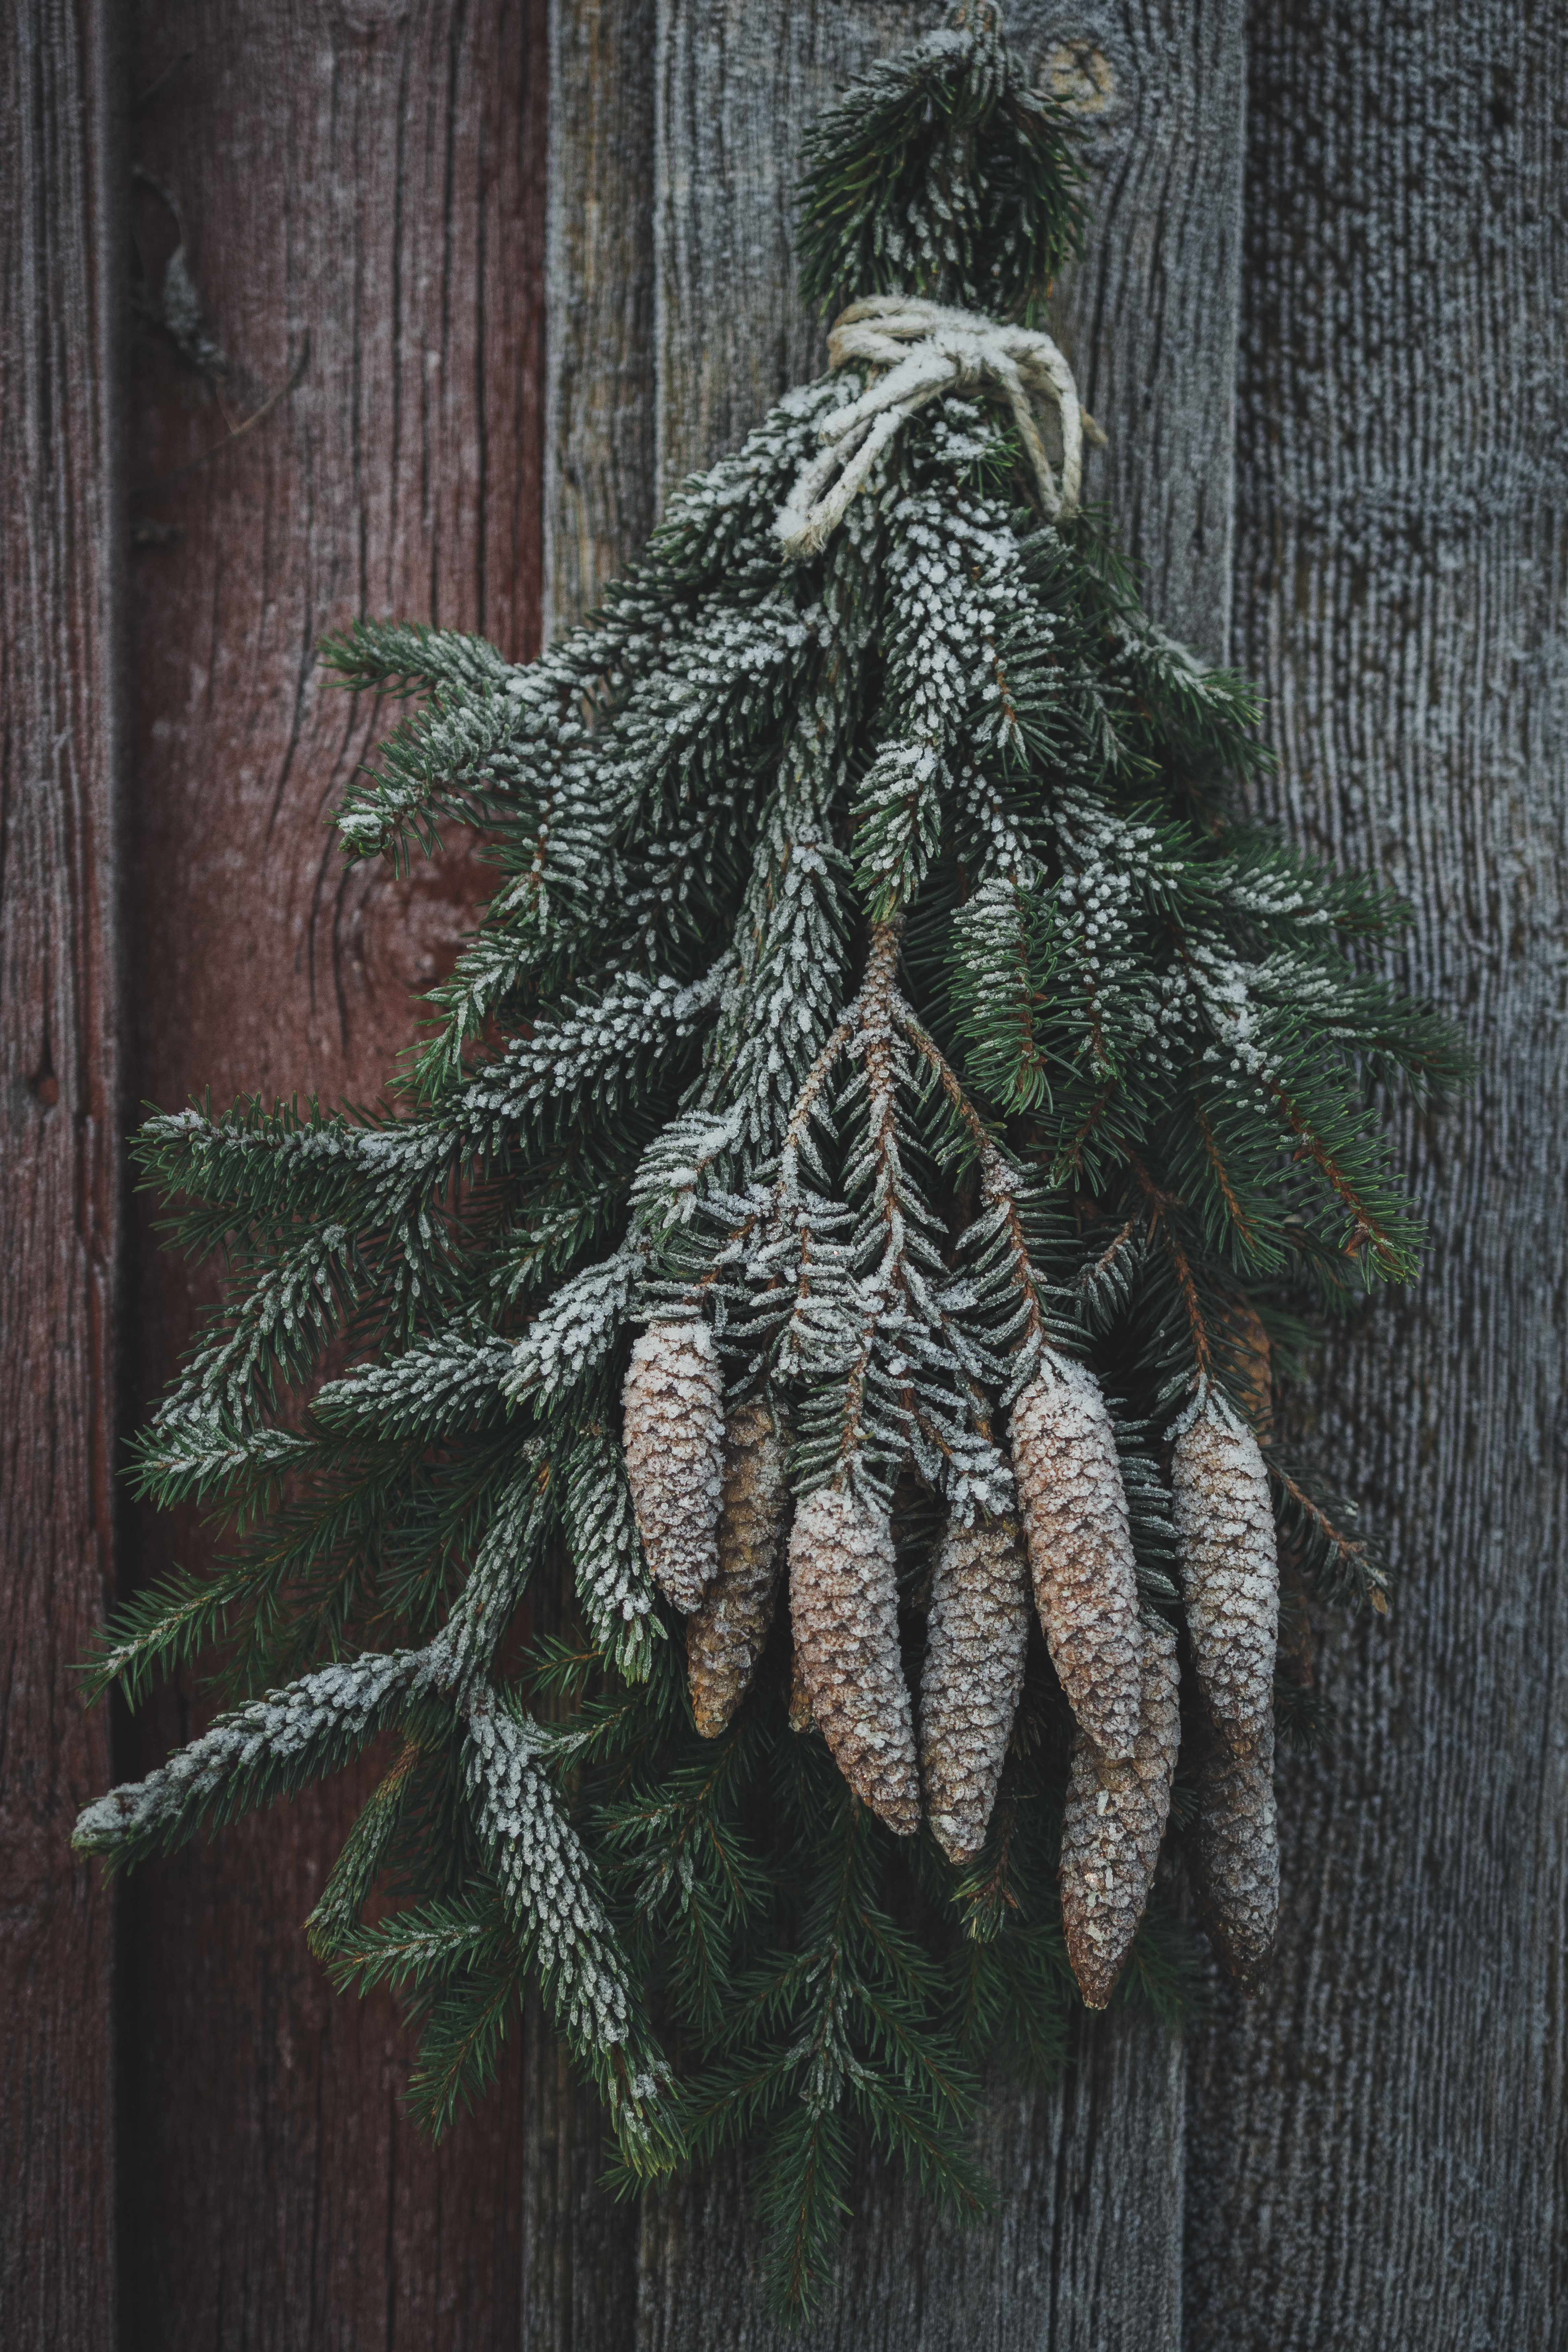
271, 1749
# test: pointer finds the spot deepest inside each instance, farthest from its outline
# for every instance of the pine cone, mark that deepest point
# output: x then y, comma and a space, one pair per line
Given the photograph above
727, 1636
1115, 1818
978, 1632
801, 1717
844, 1608
1230, 1568
1233, 1852
1074, 1510
673, 1432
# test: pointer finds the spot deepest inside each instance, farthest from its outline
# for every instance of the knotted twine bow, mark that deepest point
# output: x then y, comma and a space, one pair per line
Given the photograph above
927, 350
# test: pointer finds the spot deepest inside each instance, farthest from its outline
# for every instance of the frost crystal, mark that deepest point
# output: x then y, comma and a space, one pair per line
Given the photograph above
547, 1884
607, 1552
276, 1744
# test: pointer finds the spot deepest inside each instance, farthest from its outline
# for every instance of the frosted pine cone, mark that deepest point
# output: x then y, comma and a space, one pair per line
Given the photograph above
844, 1608
673, 1432
1081, 1547
728, 1632
1233, 1849
801, 1717
979, 1630
1230, 1567
1115, 1818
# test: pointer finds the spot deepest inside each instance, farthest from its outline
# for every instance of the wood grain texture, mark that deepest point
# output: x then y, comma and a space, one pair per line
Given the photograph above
598, 490
1087, 2251
1148, 320
1377, 2151
1071, 2259
599, 402
579, 2246
370, 176
59, 1110
738, 82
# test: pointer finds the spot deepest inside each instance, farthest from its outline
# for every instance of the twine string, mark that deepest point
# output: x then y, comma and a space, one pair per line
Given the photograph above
924, 349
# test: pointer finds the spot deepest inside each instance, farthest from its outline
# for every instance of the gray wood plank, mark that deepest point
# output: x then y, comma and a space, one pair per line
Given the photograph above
1149, 317
1377, 2150
738, 82
599, 376
579, 2263
579, 2251
1086, 2250
59, 1168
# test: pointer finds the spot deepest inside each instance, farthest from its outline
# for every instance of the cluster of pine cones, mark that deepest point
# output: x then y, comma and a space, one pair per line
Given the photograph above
717, 1525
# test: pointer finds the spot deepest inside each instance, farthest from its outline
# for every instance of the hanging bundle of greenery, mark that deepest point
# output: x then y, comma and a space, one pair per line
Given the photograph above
836, 1223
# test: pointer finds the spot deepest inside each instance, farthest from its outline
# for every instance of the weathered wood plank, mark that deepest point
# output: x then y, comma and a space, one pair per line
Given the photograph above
1088, 2250
1085, 2249
579, 2247
1377, 2149
738, 82
60, 1113
369, 174
599, 409
1148, 318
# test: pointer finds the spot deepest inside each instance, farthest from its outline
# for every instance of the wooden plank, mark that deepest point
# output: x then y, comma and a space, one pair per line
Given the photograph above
578, 2246
1148, 318
1085, 2248
370, 176
59, 1110
1377, 2150
1088, 2250
599, 414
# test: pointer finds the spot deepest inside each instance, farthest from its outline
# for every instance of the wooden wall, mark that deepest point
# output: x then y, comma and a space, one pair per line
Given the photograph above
1322, 317
61, 1078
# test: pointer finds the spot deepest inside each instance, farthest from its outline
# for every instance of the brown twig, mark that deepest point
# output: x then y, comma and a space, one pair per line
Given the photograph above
1239, 1216
1161, 1203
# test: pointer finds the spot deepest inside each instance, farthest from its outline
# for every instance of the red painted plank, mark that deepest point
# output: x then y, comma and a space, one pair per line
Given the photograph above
370, 176
59, 1108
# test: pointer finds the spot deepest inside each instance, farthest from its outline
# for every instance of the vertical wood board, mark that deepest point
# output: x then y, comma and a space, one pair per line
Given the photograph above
599, 409
367, 175
1084, 2249
579, 2246
1088, 2250
60, 1077
1377, 2149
